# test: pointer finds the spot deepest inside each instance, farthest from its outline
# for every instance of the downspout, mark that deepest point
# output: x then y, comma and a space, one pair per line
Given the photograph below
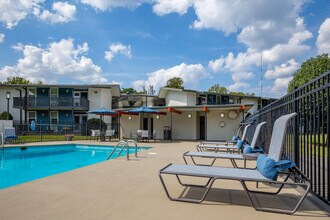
20, 110
25, 108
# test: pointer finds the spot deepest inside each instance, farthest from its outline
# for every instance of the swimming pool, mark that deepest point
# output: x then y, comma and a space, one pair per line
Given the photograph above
22, 164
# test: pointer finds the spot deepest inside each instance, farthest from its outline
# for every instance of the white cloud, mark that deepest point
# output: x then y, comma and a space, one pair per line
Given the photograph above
60, 59
2, 38
258, 21
108, 4
323, 40
12, 11
163, 7
242, 76
63, 12
294, 47
237, 86
118, 48
280, 86
190, 74
245, 62
283, 70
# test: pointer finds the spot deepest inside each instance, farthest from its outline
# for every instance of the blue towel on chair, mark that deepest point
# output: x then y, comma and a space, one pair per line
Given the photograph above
11, 137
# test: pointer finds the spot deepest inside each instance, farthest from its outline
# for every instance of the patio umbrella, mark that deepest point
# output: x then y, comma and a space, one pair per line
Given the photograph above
102, 112
142, 110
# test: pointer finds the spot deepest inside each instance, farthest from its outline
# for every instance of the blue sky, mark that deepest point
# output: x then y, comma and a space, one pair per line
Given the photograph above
146, 42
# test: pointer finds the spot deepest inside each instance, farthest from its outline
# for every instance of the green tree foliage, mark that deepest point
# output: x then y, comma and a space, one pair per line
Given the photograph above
19, 80
128, 91
309, 70
237, 93
175, 82
218, 89
3, 116
95, 124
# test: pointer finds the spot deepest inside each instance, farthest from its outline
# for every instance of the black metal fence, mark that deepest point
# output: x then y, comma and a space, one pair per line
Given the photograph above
307, 140
61, 131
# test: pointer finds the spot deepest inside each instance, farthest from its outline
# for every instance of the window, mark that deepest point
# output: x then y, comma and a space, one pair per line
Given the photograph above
32, 116
53, 120
77, 96
259, 104
32, 94
53, 96
218, 99
54, 117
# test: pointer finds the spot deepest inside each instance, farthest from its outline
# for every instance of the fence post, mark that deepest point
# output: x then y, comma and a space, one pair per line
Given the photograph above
296, 127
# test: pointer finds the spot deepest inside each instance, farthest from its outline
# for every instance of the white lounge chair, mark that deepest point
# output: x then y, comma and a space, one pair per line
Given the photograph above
95, 134
225, 147
245, 175
10, 135
109, 134
232, 141
232, 157
153, 135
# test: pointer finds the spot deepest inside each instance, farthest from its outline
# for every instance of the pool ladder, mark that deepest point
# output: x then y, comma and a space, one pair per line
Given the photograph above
123, 145
2, 140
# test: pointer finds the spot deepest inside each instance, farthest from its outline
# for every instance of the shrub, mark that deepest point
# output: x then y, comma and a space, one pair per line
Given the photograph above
94, 124
3, 116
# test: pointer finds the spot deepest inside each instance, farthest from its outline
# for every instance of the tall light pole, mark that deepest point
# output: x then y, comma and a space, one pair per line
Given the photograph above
8, 98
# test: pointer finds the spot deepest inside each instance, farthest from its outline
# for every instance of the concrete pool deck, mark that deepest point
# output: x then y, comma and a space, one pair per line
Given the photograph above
121, 189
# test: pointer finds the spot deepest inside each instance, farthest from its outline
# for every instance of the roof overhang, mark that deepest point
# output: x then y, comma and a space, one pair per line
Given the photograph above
201, 108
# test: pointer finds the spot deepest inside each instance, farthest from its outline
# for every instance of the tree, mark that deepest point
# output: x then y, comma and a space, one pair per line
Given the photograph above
175, 82
218, 89
309, 70
19, 80
128, 91
237, 93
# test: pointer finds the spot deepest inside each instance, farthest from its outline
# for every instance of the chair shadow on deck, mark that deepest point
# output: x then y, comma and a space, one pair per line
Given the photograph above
225, 196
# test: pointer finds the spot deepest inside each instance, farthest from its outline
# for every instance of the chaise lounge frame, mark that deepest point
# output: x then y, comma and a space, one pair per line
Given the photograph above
242, 175
231, 157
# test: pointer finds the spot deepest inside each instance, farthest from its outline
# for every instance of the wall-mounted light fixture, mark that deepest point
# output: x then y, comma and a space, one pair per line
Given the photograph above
157, 117
222, 124
222, 115
42, 114
67, 91
189, 115
67, 115
129, 117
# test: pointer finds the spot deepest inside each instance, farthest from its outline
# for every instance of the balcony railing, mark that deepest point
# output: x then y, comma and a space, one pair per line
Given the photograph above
54, 103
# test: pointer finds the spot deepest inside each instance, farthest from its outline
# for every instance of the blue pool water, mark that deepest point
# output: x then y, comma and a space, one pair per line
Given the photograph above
22, 164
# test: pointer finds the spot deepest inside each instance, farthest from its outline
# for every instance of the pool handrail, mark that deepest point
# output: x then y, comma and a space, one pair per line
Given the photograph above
124, 144
117, 145
135, 144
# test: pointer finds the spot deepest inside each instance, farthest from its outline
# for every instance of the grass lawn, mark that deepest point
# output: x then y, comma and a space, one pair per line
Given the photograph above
49, 137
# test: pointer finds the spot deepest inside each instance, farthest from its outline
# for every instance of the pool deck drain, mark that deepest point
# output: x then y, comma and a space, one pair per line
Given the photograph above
121, 189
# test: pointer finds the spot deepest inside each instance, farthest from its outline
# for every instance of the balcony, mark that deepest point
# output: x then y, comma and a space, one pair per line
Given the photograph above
51, 103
